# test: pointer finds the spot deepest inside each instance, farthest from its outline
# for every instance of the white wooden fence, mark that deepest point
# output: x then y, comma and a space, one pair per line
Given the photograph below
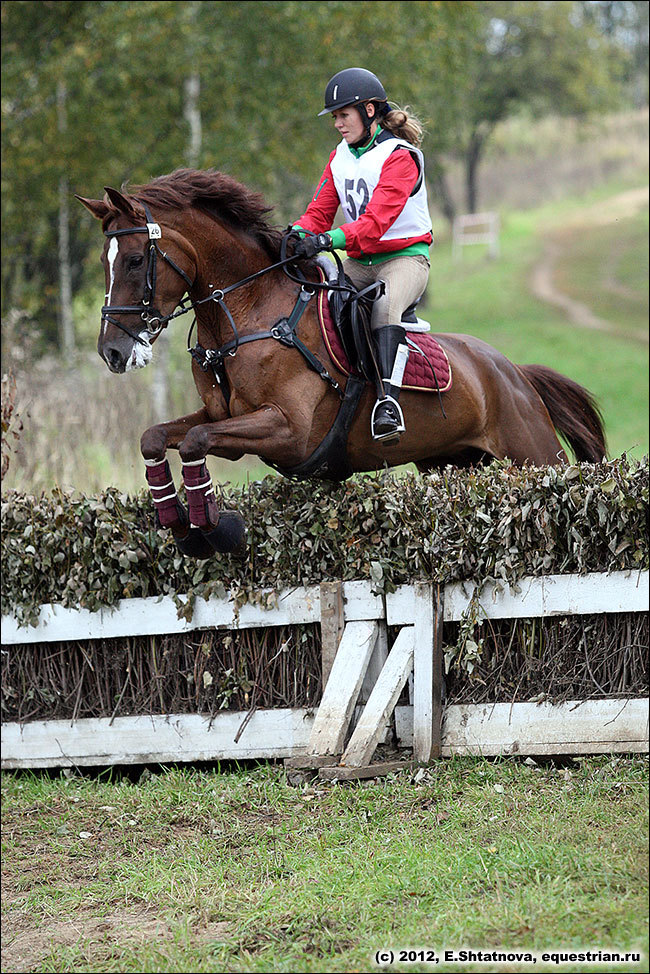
358, 668
475, 228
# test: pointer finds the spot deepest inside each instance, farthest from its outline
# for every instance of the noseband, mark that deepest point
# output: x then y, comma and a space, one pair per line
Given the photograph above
154, 322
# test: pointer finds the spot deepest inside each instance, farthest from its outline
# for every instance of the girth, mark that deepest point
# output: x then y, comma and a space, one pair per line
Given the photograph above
329, 461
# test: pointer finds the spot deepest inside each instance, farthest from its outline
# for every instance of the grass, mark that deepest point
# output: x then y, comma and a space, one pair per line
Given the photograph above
609, 271
226, 870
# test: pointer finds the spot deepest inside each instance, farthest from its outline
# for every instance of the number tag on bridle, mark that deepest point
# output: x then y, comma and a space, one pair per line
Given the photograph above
155, 233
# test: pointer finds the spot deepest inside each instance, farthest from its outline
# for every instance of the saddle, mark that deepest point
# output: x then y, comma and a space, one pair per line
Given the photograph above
344, 317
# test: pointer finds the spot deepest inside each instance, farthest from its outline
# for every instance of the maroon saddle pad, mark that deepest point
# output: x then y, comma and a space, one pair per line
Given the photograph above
427, 369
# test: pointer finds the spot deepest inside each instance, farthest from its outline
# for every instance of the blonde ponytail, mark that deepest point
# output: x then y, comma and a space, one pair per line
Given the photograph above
401, 123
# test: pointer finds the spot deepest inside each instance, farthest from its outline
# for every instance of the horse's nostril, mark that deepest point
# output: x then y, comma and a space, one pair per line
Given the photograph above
114, 359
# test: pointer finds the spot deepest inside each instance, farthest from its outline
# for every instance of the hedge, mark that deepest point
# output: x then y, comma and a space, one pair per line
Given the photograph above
498, 524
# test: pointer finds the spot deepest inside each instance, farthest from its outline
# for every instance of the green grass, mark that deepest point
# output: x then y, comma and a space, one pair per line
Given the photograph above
210, 870
608, 271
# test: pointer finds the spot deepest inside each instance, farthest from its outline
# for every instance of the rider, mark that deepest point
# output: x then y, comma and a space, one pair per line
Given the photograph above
376, 175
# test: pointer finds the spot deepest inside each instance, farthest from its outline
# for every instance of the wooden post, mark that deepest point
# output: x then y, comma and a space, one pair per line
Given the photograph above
381, 704
376, 664
427, 674
332, 624
438, 674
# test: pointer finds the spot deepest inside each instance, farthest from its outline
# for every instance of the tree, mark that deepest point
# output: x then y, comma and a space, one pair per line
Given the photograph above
36, 155
625, 24
543, 55
145, 87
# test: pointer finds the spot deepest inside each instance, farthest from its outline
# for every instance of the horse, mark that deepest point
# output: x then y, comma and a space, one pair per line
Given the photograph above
199, 241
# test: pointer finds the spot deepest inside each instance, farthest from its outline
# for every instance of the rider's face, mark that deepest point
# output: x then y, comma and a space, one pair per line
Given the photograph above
348, 124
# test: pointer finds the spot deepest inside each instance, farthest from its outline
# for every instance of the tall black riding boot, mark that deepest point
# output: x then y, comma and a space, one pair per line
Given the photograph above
387, 421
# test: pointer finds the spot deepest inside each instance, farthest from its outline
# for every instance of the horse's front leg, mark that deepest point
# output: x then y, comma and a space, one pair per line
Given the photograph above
223, 531
265, 432
155, 441
154, 444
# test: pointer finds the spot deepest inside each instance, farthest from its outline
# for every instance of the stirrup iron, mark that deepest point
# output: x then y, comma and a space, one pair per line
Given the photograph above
394, 429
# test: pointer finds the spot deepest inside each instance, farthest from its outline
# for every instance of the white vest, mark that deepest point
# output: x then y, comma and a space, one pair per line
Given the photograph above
355, 179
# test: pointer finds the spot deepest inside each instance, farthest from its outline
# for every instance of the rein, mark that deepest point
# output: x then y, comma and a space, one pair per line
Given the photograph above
283, 330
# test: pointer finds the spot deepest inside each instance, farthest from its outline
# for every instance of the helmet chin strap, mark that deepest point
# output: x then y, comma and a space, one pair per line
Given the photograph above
367, 124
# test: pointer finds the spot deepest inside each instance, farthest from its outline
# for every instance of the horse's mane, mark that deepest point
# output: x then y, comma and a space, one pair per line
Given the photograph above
217, 194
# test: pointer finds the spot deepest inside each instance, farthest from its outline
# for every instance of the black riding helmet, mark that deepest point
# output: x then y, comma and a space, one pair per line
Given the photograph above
351, 86
355, 86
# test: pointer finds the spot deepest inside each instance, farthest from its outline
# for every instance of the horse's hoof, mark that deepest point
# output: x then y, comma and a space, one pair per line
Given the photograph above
195, 544
229, 536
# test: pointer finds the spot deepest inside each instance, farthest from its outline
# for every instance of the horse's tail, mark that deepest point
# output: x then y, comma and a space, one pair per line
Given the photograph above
573, 411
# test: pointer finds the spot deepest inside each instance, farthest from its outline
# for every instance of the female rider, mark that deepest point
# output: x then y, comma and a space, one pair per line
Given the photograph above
376, 175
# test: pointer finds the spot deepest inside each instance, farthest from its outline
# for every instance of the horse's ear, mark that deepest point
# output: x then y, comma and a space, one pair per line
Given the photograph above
123, 204
98, 208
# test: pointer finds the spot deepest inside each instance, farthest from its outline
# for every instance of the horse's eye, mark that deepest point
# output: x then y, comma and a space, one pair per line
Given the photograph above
135, 260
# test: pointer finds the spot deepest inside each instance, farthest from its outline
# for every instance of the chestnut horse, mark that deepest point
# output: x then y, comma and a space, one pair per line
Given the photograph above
203, 234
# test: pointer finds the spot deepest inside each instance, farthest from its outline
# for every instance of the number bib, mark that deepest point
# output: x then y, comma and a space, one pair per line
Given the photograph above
355, 179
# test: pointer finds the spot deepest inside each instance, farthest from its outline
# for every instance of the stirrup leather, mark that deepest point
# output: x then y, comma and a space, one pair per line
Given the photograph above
392, 425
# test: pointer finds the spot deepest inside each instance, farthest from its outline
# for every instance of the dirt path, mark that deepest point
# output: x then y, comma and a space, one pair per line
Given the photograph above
542, 281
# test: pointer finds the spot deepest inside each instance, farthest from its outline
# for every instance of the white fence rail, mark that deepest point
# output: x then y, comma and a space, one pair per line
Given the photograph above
362, 660
548, 595
476, 228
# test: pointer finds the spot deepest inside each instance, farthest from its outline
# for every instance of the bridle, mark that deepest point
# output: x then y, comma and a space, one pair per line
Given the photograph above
283, 330
154, 322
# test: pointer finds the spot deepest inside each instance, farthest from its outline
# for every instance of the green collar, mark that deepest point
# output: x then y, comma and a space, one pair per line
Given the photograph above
357, 153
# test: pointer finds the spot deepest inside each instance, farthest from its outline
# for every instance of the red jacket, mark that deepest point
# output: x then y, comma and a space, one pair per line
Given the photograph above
399, 175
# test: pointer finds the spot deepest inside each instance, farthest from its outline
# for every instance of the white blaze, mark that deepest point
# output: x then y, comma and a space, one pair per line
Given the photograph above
113, 248
112, 254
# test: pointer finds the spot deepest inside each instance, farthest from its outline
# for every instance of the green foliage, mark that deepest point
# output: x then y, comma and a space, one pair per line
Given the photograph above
499, 523
95, 94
